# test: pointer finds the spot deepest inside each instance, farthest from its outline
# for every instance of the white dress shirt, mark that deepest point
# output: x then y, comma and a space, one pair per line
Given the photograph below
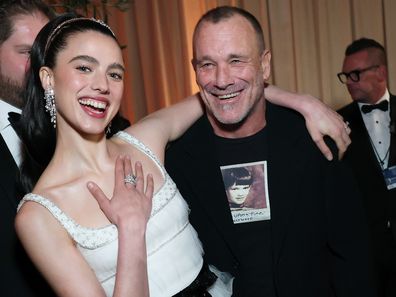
378, 127
10, 137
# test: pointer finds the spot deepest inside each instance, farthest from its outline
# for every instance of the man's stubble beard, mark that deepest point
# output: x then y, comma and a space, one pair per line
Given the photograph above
11, 91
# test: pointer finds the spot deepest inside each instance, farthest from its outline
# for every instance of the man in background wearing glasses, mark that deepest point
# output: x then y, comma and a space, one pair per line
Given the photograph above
372, 154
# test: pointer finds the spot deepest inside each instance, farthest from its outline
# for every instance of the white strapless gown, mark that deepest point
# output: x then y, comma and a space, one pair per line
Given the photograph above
173, 249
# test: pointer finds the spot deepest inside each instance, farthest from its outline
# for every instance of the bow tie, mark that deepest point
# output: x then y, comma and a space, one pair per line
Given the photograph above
383, 105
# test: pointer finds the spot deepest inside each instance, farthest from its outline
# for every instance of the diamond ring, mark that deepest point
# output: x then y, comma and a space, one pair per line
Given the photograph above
346, 126
130, 179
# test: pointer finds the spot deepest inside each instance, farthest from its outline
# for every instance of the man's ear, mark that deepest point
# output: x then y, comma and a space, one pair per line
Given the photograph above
46, 77
383, 72
266, 64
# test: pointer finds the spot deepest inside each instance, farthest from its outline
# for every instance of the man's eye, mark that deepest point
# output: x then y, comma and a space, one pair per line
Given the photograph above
235, 61
206, 65
25, 52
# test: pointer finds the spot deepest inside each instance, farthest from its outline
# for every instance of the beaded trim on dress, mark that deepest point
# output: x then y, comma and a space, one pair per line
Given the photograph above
92, 238
169, 188
89, 238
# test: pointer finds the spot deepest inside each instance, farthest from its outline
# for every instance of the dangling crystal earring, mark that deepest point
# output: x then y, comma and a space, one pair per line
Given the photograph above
49, 97
108, 129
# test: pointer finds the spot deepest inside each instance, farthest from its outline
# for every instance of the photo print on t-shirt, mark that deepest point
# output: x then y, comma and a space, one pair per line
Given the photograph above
246, 188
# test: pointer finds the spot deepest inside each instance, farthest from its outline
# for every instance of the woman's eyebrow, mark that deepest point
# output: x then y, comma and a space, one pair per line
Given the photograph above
116, 66
91, 59
85, 58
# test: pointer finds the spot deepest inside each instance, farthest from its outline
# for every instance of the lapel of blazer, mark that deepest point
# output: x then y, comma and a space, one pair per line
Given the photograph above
392, 149
285, 169
8, 173
206, 180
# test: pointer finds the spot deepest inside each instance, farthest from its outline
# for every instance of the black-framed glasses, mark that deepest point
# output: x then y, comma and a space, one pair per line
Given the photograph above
354, 75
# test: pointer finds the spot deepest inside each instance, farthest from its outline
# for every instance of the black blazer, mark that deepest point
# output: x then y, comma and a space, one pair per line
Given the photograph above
18, 277
379, 202
315, 210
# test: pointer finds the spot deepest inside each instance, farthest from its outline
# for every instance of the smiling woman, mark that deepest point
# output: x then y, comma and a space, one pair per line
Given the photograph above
86, 82
119, 239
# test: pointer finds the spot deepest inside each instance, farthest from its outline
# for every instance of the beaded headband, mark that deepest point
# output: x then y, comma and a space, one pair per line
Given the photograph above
62, 25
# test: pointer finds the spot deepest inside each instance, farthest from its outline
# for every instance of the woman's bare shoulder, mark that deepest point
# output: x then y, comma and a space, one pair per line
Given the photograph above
34, 220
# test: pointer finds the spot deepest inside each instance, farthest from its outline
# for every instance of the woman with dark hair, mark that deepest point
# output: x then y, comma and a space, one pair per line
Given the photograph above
134, 244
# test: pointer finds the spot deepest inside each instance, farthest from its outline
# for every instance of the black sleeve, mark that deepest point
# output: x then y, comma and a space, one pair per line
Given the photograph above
347, 234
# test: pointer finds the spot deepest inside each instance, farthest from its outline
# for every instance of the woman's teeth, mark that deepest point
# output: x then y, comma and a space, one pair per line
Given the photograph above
93, 103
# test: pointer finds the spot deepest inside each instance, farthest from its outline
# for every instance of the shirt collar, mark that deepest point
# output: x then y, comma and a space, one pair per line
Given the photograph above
5, 108
386, 97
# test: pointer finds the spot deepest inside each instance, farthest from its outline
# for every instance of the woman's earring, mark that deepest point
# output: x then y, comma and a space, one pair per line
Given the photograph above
49, 97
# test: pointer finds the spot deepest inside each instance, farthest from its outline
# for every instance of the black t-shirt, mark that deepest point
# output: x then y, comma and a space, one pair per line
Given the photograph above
253, 236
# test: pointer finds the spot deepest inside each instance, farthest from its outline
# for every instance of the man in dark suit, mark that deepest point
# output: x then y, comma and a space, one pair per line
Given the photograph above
372, 154
20, 21
300, 230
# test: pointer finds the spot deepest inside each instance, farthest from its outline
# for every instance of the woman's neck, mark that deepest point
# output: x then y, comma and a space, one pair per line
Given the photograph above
79, 154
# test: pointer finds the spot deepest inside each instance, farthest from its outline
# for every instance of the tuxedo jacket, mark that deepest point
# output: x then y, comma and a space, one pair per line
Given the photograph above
379, 202
18, 277
319, 242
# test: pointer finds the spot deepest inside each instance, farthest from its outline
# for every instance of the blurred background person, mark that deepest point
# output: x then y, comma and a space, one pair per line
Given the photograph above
372, 154
20, 21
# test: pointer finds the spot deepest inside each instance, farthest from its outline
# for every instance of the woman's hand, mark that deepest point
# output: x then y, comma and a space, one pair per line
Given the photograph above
129, 209
321, 120
131, 202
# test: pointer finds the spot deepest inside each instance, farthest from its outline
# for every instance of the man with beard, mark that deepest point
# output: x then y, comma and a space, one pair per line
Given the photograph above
20, 21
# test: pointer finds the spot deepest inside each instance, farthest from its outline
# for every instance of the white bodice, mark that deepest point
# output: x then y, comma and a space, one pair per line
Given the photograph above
173, 249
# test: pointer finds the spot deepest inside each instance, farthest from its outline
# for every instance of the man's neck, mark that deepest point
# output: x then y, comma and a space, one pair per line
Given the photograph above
237, 130
381, 95
252, 124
